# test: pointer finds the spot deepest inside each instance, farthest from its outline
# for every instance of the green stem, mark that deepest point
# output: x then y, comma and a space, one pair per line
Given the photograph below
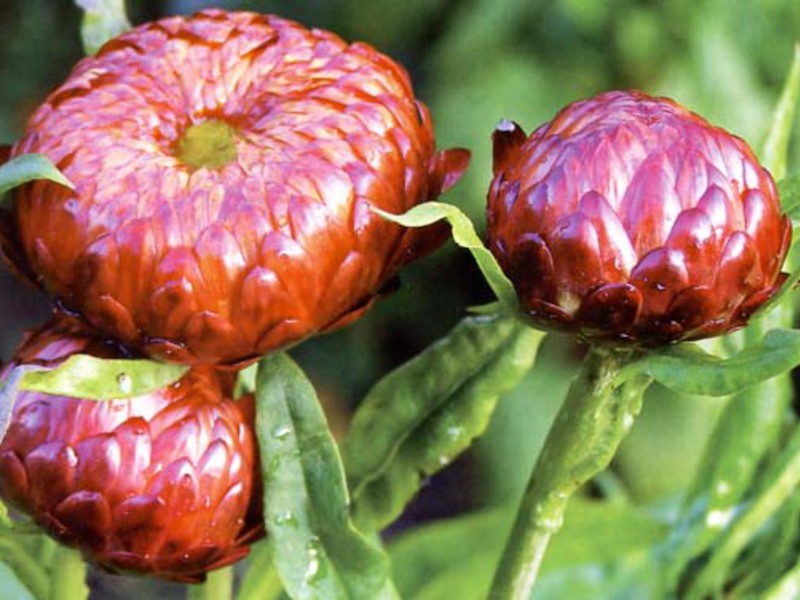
736, 537
68, 575
597, 413
218, 586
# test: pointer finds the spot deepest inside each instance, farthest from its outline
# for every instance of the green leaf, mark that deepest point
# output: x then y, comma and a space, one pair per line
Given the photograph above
29, 571
246, 381
747, 431
456, 420
400, 403
317, 550
260, 581
776, 146
687, 368
29, 167
460, 554
789, 189
465, 236
91, 378
102, 21
11, 586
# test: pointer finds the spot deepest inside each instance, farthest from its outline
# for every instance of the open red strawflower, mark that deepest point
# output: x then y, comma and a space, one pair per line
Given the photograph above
161, 484
225, 167
630, 219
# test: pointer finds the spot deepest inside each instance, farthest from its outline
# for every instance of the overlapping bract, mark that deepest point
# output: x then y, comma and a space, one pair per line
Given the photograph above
629, 219
221, 265
162, 484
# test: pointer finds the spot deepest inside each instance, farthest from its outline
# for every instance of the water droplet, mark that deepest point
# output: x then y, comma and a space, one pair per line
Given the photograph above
284, 518
627, 421
455, 431
282, 432
313, 568
717, 519
723, 487
443, 461
125, 383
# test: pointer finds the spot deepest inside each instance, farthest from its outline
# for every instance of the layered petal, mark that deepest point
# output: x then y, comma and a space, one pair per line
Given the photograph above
629, 219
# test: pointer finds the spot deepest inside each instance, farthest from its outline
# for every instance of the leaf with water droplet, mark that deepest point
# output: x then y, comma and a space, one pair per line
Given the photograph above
91, 378
319, 553
421, 416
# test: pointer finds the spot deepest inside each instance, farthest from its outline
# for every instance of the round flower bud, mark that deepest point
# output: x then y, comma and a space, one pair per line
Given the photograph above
629, 219
160, 484
225, 167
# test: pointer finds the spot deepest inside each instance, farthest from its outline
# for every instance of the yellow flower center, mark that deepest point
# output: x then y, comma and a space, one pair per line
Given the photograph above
210, 144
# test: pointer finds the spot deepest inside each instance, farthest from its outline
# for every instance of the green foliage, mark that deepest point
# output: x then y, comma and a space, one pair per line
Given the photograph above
401, 402
91, 378
427, 412
29, 167
456, 558
776, 146
317, 551
102, 20
690, 369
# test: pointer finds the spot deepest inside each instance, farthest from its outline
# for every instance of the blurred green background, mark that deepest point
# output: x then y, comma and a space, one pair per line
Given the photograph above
475, 62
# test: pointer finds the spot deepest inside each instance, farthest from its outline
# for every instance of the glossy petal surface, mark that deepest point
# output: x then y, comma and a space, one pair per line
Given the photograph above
223, 263
136, 484
629, 219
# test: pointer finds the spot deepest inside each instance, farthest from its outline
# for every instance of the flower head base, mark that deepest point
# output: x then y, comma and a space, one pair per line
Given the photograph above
160, 484
628, 218
225, 167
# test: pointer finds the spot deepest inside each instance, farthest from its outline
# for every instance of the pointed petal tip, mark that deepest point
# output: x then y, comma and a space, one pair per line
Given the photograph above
507, 139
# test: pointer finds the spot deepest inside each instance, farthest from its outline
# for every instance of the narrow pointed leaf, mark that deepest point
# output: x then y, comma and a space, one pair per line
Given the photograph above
776, 146
29, 167
465, 236
447, 431
317, 551
400, 404
102, 20
91, 378
687, 368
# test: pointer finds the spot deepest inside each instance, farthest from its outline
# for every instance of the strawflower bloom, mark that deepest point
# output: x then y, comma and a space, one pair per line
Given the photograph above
225, 167
629, 219
162, 484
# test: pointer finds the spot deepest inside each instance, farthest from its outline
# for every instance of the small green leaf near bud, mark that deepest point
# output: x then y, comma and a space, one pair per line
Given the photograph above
90, 378
29, 167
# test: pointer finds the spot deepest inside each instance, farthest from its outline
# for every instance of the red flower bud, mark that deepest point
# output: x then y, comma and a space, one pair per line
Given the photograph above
159, 484
629, 218
225, 167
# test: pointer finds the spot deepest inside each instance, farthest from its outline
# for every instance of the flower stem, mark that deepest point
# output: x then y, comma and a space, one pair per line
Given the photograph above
68, 575
218, 586
597, 413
